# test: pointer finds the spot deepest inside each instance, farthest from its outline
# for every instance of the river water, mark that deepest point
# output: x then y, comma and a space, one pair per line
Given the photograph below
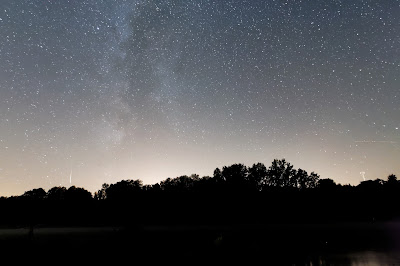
345, 244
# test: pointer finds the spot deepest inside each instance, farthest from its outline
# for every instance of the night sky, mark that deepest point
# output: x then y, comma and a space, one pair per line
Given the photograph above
99, 91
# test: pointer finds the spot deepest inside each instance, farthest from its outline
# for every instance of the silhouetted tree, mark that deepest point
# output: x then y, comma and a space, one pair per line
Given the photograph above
305, 181
179, 184
392, 186
391, 196
392, 179
35, 194
101, 193
218, 175
156, 187
257, 175
313, 179
206, 184
147, 187
124, 190
371, 185
235, 175
279, 173
299, 179
167, 184
326, 184
56, 193
77, 194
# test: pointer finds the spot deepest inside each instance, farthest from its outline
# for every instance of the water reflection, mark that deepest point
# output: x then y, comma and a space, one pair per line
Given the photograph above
360, 258
374, 258
211, 243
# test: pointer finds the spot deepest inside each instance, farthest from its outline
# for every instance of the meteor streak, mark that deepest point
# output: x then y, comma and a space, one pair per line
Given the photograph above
375, 141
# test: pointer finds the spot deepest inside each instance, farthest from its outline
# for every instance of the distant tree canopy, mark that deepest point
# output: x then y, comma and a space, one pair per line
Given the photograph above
123, 190
56, 193
326, 184
392, 179
233, 193
77, 194
280, 175
258, 177
35, 194
182, 183
59, 193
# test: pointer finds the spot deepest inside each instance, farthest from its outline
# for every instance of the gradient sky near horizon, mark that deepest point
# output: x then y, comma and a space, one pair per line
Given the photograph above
104, 90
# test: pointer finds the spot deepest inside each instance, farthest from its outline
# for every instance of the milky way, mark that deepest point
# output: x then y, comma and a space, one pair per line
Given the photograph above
112, 90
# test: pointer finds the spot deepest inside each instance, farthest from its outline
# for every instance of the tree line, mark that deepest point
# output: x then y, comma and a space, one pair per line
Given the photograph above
236, 177
235, 193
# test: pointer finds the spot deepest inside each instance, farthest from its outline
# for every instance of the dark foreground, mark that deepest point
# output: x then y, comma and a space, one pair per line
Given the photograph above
306, 244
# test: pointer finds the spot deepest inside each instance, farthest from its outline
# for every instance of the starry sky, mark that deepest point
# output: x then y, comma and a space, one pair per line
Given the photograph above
102, 90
